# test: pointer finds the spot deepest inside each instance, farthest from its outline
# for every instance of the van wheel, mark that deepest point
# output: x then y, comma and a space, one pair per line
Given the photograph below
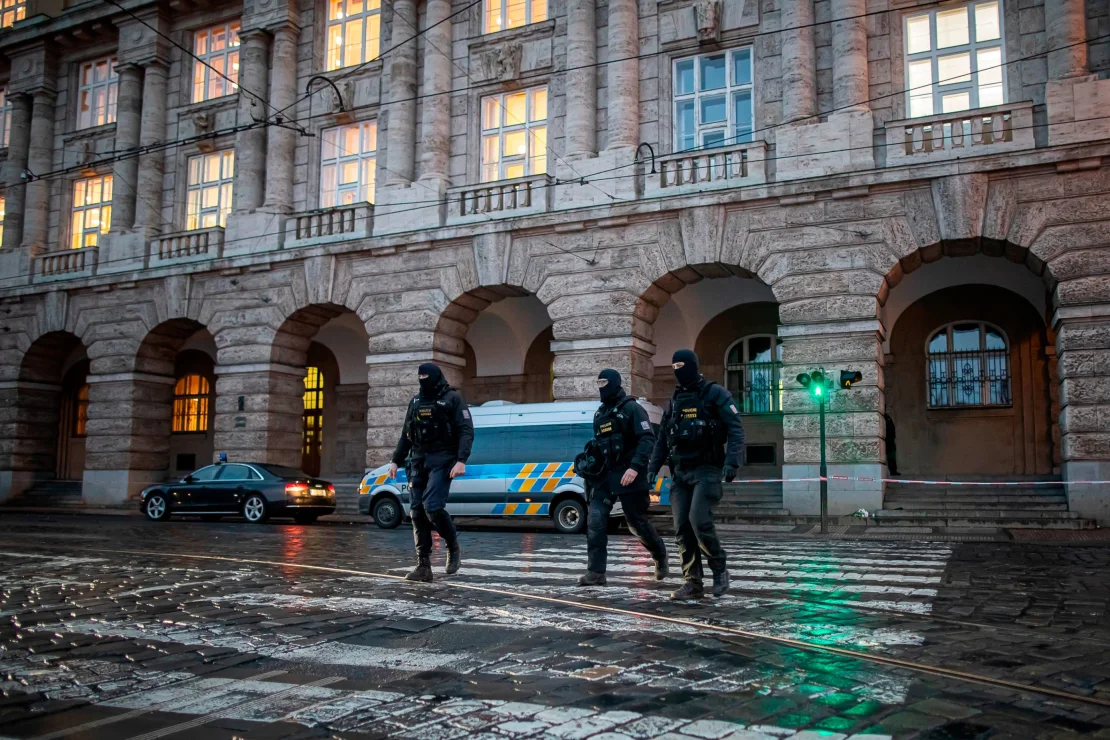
570, 516
387, 512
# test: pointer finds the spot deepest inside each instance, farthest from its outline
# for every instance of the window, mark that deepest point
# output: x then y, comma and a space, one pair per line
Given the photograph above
96, 93
81, 412
954, 59
3, 210
968, 364
529, 443
209, 198
514, 134
190, 404
92, 210
216, 48
14, 10
502, 14
753, 373
713, 100
5, 117
206, 474
313, 415
354, 32
348, 160
237, 472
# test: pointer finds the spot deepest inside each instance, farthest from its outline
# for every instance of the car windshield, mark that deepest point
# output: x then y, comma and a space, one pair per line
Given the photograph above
281, 471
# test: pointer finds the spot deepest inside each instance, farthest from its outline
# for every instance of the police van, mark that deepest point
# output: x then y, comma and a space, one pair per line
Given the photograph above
521, 465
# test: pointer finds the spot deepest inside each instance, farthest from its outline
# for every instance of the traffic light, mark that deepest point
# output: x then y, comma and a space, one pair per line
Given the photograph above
847, 377
813, 382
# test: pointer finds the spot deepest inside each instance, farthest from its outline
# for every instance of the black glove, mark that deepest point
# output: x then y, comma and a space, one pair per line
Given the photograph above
730, 473
651, 476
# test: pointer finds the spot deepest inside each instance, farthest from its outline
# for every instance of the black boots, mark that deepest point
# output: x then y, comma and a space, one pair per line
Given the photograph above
592, 579
720, 583
423, 570
662, 570
688, 592
454, 559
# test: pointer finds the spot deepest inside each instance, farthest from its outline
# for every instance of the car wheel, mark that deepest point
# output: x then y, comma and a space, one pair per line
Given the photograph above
254, 509
305, 518
211, 518
570, 516
387, 512
157, 509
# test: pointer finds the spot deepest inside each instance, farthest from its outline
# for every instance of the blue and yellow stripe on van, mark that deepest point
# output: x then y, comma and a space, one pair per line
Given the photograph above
525, 509
541, 477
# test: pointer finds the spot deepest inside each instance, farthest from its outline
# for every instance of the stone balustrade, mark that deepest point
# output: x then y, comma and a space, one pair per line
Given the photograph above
65, 264
1002, 128
708, 169
505, 198
325, 225
187, 246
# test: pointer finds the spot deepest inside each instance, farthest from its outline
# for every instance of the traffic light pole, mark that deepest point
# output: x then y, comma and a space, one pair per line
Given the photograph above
824, 471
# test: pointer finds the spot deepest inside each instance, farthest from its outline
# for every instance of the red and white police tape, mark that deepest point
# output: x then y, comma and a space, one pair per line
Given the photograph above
1012, 484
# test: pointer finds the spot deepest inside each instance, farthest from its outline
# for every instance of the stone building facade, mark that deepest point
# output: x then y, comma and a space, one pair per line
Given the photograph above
239, 227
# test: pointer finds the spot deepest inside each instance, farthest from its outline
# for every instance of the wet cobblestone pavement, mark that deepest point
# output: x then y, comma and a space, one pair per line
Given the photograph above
115, 628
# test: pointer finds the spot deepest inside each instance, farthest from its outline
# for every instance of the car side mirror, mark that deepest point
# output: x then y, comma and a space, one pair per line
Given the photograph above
188, 479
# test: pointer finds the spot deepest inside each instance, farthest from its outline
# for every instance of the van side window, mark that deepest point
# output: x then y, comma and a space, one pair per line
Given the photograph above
491, 446
549, 442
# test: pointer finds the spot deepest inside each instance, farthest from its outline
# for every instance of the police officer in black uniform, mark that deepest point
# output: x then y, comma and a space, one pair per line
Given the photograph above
622, 445
693, 433
435, 442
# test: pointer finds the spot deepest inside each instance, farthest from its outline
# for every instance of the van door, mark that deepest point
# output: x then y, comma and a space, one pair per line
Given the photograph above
482, 489
548, 452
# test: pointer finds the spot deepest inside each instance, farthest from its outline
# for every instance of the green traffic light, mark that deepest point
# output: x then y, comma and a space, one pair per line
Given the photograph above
817, 390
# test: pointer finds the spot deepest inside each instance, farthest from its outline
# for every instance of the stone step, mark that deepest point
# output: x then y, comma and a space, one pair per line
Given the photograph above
980, 524
975, 514
725, 512
976, 498
974, 505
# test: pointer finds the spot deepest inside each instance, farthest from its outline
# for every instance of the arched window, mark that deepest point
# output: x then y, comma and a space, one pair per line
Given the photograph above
753, 368
81, 412
968, 364
313, 440
190, 404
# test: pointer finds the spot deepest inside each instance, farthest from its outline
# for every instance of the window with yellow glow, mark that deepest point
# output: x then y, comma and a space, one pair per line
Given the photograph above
354, 32
14, 10
97, 93
216, 62
210, 181
3, 210
190, 404
514, 134
81, 412
502, 14
92, 210
348, 160
313, 414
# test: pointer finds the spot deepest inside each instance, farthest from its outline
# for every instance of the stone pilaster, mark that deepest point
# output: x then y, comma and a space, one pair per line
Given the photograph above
127, 446
349, 456
148, 209
401, 138
15, 190
624, 76
28, 434
36, 214
849, 52
1066, 29
854, 426
581, 125
282, 141
250, 145
1083, 346
1075, 98
436, 120
799, 62
259, 410
125, 172
578, 361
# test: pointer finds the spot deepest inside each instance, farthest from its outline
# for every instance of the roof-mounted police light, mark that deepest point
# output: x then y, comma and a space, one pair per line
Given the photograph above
223, 457
848, 377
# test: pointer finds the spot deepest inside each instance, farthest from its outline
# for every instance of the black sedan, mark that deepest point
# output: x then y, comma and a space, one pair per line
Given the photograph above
255, 490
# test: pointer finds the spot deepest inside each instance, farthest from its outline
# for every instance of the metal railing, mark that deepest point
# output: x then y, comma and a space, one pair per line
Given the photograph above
756, 386
978, 378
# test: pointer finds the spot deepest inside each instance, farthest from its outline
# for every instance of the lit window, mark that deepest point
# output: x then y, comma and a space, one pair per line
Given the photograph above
190, 404
348, 159
968, 364
713, 100
3, 210
92, 210
14, 10
210, 180
216, 63
81, 412
5, 117
753, 373
502, 14
954, 59
354, 32
514, 134
313, 436
97, 91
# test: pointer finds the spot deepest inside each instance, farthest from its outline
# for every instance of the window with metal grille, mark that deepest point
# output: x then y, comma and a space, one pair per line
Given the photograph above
713, 100
514, 134
14, 10
348, 160
968, 364
190, 404
753, 373
81, 412
5, 117
354, 32
216, 62
954, 59
92, 210
211, 177
313, 438
97, 90
502, 14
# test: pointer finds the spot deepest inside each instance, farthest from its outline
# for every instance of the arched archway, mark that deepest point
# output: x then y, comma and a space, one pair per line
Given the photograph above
507, 353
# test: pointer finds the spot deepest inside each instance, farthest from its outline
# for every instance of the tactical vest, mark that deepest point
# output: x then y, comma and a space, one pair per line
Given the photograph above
695, 435
609, 432
431, 423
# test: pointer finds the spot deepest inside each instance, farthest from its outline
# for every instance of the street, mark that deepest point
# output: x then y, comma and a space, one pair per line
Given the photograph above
123, 628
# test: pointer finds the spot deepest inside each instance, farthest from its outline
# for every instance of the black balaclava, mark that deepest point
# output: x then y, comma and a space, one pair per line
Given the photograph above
430, 386
612, 388
688, 374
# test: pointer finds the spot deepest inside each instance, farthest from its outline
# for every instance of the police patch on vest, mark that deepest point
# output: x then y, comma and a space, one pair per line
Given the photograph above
690, 413
605, 428
424, 413
645, 425
466, 414
733, 408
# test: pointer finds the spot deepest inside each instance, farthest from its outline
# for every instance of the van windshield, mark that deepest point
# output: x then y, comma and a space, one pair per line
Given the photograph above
525, 444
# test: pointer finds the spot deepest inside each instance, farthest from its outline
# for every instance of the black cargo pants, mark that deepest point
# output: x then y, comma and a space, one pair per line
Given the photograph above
694, 497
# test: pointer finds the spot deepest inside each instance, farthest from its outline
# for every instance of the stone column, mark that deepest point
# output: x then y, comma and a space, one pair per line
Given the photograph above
259, 409
148, 209
581, 125
29, 428
40, 159
1065, 24
15, 190
855, 446
799, 62
436, 120
125, 172
250, 145
1083, 346
282, 141
849, 52
401, 138
578, 361
126, 449
624, 76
